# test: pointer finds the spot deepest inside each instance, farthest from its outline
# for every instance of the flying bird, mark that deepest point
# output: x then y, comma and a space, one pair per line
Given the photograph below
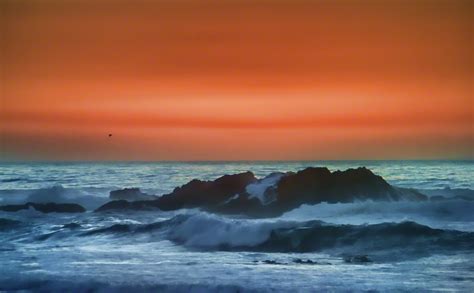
110, 134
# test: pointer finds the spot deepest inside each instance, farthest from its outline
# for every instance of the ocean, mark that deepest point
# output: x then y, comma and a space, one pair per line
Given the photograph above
415, 246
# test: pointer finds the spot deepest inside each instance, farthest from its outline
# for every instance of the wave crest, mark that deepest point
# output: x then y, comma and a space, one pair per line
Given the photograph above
211, 232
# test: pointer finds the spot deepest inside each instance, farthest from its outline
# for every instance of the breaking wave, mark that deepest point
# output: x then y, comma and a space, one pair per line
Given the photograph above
89, 198
210, 232
449, 214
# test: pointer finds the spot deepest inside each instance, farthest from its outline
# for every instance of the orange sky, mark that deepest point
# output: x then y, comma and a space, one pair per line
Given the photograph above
236, 80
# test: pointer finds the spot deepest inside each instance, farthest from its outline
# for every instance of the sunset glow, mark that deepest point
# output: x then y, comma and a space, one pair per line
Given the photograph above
236, 80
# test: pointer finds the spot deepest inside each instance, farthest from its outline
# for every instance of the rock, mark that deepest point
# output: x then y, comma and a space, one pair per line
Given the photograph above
264, 189
126, 205
241, 204
45, 207
130, 194
199, 193
271, 262
306, 262
316, 185
275, 194
357, 259
195, 193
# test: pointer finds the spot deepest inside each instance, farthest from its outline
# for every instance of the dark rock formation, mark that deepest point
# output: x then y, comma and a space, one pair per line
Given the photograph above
228, 194
242, 204
199, 193
130, 194
45, 207
316, 185
194, 194
127, 205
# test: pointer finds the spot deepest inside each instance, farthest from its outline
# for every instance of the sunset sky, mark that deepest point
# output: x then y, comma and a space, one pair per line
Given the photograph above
236, 80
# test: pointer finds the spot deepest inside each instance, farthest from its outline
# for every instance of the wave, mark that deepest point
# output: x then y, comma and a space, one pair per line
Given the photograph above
6, 224
55, 194
116, 228
407, 235
449, 193
312, 236
9, 180
450, 214
210, 232
122, 228
58, 285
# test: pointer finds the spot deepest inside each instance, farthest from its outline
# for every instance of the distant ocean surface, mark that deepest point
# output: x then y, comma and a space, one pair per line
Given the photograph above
191, 250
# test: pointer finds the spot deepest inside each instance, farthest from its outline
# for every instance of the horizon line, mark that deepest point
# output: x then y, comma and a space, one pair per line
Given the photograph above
238, 161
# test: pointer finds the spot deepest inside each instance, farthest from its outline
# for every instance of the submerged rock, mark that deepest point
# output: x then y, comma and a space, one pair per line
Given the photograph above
45, 207
357, 259
306, 262
270, 262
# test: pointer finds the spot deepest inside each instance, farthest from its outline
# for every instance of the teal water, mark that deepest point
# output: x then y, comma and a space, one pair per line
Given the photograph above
194, 251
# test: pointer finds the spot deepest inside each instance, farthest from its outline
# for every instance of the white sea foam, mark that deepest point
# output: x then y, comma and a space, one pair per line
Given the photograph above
259, 188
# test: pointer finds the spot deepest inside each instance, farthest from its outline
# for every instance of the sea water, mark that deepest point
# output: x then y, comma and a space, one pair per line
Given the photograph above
412, 246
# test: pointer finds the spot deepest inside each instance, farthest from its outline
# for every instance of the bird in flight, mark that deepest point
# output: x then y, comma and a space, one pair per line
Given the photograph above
110, 134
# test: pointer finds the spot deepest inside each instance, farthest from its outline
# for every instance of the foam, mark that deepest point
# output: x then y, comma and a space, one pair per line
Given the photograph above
257, 189
211, 232
55, 194
214, 233
451, 214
